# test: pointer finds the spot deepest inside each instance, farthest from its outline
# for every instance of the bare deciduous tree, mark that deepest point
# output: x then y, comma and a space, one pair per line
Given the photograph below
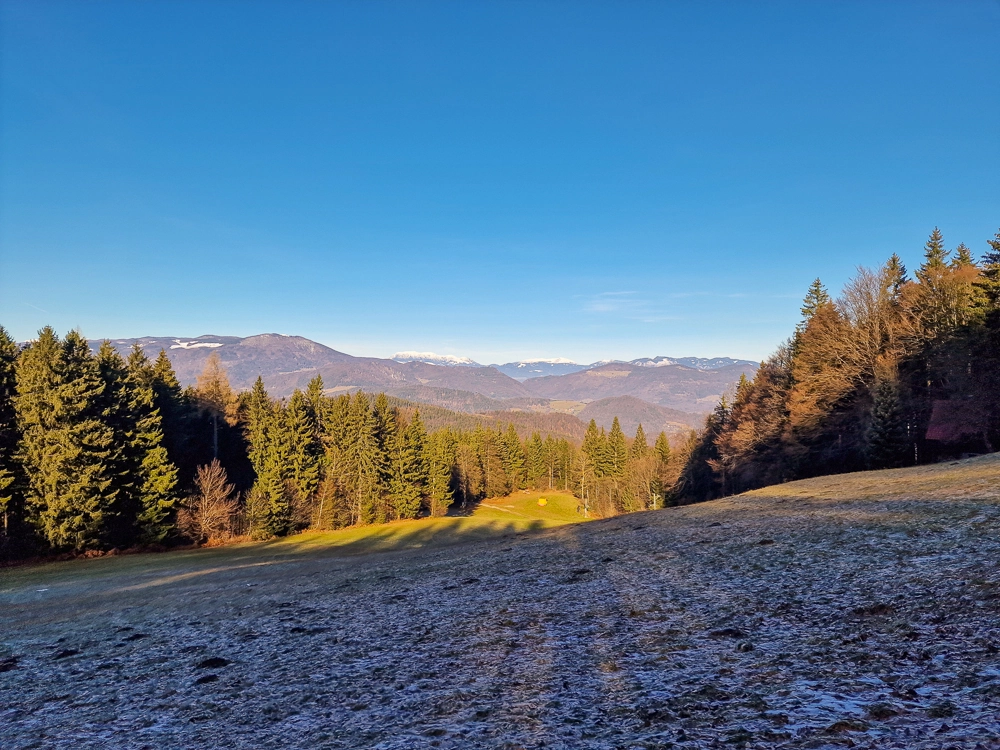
210, 514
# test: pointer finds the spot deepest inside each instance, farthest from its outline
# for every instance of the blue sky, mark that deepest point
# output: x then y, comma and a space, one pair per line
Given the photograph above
497, 180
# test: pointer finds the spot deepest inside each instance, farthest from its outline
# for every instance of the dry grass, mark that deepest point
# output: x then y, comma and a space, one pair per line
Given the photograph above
860, 610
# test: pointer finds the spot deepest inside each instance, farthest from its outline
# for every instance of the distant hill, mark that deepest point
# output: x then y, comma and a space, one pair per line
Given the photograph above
632, 411
267, 354
525, 422
537, 368
674, 386
690, 385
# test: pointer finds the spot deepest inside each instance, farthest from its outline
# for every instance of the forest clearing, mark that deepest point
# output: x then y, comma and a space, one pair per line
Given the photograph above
858, 610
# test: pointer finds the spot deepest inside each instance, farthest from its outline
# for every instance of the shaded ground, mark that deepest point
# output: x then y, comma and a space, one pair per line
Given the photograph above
856, 611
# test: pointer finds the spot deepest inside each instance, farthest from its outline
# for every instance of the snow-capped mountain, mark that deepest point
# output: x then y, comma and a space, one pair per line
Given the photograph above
448, 360
526, 369
696, 363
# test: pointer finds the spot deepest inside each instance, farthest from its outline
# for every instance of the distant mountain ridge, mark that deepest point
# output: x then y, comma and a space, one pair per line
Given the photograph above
430, 358
527, 369
691, 386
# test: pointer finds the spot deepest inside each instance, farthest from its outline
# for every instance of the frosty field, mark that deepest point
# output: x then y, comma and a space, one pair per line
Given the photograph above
852, 611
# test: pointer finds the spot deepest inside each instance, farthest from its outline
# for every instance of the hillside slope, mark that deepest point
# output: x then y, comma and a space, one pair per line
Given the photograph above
859, 610
673, 386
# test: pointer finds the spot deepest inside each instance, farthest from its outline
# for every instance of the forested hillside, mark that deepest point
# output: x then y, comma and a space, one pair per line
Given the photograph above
100, 451
896, 371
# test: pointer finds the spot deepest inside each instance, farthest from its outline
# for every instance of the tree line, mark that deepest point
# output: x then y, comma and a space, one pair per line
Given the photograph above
896, 371
100, 451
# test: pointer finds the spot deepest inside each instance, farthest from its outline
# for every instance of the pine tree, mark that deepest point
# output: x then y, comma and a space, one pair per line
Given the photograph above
887, 444
65, 447
617, 449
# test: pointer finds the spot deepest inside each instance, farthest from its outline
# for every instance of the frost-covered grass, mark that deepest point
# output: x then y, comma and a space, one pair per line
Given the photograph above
852, 611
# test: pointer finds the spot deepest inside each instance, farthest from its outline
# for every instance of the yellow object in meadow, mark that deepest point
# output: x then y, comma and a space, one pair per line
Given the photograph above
542, 501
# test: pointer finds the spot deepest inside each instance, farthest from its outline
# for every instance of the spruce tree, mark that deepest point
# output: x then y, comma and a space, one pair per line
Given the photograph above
963, 257
113, 408
535, 458
990, 283
363, 459
439, 459
935, 257
395, 492
11, 501
157, 476
272, 495
65, 446
887, 444
303, 450
317, 404
815, 298
639, 447
258, 424
896, 273
593, 448
662, 448
514, 463
617, 448
418, 441
176, 417
552, 456
404, 487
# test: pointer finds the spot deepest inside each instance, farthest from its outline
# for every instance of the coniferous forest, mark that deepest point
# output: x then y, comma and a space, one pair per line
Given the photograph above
898, 370
100, 452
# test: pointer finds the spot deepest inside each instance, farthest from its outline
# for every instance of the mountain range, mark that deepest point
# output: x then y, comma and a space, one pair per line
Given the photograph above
661, 392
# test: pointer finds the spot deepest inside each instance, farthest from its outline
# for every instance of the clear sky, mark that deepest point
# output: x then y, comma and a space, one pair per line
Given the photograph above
497, 180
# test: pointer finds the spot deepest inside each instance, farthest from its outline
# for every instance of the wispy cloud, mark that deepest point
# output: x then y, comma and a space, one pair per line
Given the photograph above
628, 305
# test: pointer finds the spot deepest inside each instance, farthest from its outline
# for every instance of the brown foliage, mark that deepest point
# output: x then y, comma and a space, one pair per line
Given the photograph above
211, 514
